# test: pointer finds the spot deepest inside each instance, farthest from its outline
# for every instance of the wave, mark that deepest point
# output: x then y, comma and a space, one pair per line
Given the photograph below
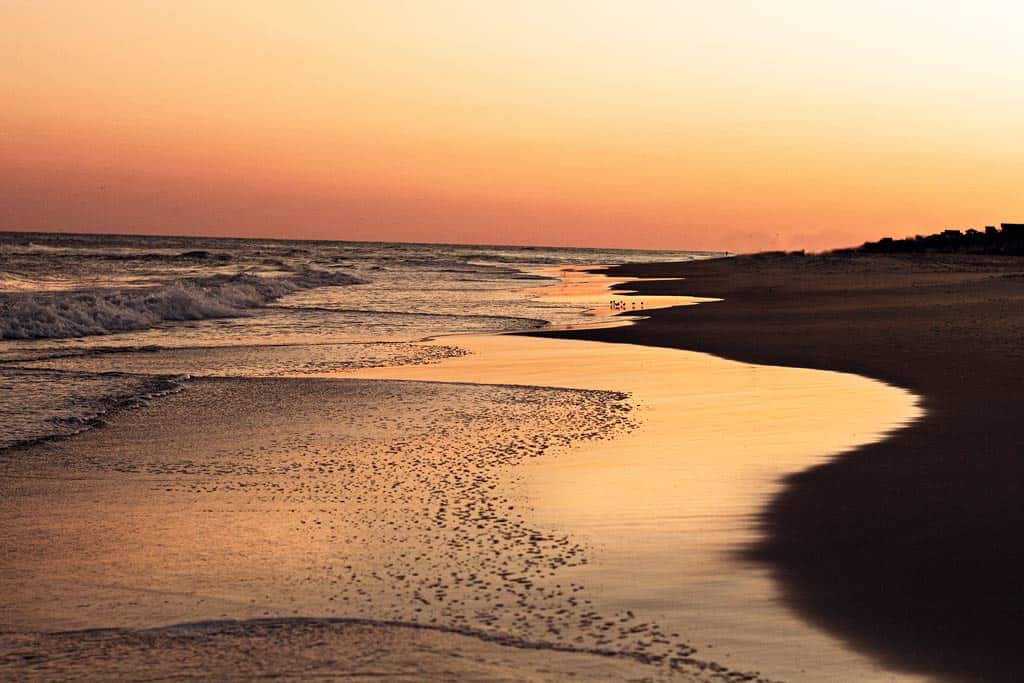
38, 405
56, 315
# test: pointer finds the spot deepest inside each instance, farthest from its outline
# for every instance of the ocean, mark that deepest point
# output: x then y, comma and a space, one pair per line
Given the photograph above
89, 323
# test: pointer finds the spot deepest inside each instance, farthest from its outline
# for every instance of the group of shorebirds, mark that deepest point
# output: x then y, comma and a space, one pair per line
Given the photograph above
621, 305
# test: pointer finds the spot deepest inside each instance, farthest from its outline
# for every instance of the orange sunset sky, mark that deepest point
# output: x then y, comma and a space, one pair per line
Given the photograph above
703, 125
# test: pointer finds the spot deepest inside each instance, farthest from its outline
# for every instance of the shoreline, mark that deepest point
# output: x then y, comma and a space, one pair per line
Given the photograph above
908, 548
562, 521
667, 507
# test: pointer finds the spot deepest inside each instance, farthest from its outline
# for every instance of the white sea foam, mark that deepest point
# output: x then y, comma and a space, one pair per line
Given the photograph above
52, 315
103, 309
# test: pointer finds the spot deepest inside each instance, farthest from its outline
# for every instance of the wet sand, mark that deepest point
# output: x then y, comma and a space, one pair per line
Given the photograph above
665, 509
908, 549
574, 520
299, 649
244, 498
284, 499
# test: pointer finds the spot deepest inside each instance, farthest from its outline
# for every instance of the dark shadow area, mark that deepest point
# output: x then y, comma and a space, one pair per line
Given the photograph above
911, 549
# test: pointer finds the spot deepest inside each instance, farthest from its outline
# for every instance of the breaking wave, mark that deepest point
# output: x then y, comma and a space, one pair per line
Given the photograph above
55, 315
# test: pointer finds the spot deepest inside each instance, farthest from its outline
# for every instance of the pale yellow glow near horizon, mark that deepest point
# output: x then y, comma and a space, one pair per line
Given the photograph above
654, 124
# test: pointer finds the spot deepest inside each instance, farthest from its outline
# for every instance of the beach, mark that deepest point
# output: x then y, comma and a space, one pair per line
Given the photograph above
480, 499
208, 473
666, 509
530, 341
907, 549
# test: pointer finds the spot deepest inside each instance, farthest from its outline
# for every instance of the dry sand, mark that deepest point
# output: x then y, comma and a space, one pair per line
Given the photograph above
908, 549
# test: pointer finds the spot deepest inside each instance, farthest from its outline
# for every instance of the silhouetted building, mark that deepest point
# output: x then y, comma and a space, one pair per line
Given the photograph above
1009, 240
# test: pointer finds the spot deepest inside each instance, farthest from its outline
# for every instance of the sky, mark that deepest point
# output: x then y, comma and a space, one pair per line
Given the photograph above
644, 124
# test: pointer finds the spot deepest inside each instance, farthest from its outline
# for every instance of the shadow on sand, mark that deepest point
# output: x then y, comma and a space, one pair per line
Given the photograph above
911, 549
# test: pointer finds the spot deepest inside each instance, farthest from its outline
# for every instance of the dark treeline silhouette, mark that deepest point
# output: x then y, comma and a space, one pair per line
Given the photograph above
1008, 240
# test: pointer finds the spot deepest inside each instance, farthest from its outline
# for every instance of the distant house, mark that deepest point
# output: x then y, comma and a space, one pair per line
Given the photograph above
1008, 241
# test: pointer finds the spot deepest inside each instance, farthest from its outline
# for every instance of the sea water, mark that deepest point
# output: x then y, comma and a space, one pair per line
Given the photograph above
92, 322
